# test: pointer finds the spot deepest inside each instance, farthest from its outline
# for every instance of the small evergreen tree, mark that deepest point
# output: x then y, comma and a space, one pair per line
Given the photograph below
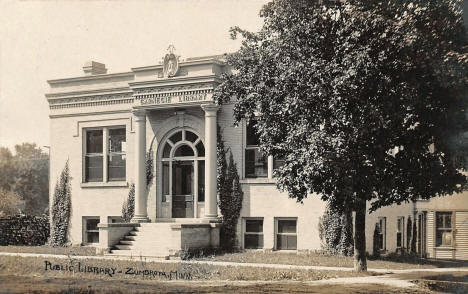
376, 241
409, 227
128, 208
61, 209
230, 203
413, 240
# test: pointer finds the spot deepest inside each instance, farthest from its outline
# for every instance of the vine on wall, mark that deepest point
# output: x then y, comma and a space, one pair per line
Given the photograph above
61, 209
230, 195
336, 232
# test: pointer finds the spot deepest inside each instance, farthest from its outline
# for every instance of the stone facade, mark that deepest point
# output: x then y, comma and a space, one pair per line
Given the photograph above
151, 106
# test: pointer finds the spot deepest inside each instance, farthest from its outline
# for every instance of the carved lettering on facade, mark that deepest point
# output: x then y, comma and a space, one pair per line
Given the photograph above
149, 99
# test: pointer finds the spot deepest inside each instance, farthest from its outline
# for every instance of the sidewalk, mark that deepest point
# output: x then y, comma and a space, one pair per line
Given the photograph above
239, 264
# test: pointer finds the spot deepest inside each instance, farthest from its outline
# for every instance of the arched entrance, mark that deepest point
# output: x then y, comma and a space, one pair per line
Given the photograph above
183, 173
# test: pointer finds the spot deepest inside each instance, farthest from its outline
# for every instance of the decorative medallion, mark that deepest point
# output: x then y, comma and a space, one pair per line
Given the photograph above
171, 63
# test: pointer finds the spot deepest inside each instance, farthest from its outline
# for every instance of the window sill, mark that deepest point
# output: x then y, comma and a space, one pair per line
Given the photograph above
257, 181
445, 248
101, 184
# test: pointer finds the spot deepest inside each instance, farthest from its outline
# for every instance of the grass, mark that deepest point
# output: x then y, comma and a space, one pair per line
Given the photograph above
71, 250
320, 259
11, 284
143, 270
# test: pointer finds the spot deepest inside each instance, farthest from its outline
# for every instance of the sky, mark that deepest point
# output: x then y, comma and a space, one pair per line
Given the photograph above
43, 40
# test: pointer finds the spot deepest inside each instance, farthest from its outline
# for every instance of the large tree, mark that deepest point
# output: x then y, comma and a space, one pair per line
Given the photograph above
364, 100
26, 174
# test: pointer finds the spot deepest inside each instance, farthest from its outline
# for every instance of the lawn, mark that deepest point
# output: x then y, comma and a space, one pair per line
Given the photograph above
320, 259
72, 250
11, 284
112, 269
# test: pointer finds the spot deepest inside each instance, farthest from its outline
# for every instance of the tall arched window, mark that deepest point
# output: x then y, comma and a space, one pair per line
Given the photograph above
183, 172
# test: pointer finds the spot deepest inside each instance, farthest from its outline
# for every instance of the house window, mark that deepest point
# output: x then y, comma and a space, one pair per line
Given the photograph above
443, 228
256, 163
253, 236
382, 226
399, 231
94, 156
90, 230
116, 154
105, 154
286, 234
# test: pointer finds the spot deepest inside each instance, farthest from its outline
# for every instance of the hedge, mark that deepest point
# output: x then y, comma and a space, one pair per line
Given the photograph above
24, 230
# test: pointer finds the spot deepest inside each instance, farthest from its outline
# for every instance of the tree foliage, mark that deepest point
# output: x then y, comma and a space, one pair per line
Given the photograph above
26, 174
337, 87
10, 203
61, 209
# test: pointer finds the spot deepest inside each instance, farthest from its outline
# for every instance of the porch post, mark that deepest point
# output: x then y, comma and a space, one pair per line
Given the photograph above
140, 169
211, 207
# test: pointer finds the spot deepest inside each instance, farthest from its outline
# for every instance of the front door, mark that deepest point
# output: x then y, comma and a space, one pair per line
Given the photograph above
182, 188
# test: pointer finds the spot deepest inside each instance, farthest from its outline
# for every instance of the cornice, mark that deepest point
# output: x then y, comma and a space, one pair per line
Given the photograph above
90, 78
88, 103
215, 59
89, 113
175, 81
85, 93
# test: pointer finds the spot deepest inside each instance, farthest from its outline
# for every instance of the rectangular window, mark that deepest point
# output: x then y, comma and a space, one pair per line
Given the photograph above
253, 236
91, 231
399, 232
382, 232
444, 228
256, 163
286, 234
94, 156
109, 144
116, 154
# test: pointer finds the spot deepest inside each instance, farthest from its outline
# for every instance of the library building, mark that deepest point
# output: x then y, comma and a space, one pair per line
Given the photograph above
154, 129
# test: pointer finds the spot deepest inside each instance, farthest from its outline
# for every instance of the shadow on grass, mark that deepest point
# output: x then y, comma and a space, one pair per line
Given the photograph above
414, 259
446, 283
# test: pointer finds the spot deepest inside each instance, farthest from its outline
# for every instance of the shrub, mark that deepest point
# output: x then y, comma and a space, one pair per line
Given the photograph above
409, 227
413, 240
230, 195
376, 241
24, 230
336, 232
128, 208
61, 209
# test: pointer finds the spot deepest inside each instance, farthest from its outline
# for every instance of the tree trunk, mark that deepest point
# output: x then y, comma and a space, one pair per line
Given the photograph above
360, 261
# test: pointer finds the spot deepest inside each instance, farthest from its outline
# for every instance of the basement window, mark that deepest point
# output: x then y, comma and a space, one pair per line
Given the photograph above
286, 234
90, 229
253, 236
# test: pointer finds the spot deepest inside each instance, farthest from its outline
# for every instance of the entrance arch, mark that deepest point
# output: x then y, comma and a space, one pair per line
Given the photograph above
183, 173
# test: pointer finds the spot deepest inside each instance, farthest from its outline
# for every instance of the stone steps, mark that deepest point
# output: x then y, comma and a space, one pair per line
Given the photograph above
149, 240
